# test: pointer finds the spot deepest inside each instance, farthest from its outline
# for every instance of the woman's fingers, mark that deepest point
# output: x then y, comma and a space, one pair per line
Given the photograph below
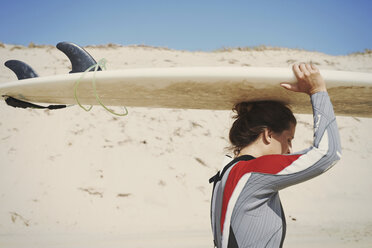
309, 79
303, 67
315, 69
289, 86
308, 67
298, 73
304, 70
294, 86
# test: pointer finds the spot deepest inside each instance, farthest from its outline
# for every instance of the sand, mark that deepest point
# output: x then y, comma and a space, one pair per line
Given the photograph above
71, 178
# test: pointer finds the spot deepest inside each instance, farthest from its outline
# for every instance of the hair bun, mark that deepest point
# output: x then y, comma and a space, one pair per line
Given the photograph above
243, 108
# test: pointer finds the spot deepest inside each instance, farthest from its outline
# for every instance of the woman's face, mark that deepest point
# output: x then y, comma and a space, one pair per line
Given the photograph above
282, 142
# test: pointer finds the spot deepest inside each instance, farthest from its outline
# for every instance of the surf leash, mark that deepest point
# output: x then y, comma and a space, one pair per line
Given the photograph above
100, 64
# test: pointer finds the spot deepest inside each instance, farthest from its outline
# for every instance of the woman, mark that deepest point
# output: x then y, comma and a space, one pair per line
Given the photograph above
246, 210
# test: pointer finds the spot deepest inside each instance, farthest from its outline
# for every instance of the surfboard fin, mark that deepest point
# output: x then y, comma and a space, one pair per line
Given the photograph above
21, 69
80, 59
24, 71
16, 103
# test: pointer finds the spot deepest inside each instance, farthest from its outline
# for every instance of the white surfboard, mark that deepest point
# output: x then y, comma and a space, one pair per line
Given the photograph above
216, 88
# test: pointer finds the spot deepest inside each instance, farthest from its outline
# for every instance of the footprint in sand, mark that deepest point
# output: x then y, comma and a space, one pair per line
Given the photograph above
15, 216
92, 191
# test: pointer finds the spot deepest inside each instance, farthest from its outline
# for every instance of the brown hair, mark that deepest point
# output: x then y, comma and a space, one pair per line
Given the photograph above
253, 117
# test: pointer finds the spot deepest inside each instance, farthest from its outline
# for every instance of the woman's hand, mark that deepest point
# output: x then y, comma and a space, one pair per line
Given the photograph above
309, 80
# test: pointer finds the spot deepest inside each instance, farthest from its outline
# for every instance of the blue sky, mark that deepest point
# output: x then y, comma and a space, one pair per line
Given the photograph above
329, 26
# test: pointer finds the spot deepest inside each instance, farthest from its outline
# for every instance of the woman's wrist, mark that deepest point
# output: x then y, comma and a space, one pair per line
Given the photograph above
320, 89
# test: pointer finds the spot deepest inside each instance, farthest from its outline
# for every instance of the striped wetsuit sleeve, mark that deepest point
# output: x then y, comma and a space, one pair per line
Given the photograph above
322, 155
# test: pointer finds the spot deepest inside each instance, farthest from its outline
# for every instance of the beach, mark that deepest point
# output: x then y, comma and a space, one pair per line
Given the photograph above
70, 178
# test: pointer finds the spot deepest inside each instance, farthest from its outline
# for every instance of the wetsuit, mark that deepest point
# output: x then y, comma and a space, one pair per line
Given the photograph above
246, 210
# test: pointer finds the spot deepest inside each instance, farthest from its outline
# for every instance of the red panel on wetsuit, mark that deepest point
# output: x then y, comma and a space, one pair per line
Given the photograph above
269, 164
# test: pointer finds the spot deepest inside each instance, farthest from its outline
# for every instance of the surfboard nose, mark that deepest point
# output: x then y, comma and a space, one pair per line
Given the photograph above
80, 59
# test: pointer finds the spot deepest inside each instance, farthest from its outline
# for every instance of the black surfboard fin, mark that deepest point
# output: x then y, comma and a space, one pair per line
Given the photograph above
24, 71
21, 69
80, 59
16, 103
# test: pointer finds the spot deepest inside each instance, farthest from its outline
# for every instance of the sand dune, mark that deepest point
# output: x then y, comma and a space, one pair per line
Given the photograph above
71, 178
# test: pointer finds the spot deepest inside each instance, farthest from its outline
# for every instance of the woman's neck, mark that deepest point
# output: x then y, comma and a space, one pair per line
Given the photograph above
251, 150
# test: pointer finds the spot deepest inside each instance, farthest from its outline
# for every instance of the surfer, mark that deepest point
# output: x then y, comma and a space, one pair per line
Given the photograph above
246, 210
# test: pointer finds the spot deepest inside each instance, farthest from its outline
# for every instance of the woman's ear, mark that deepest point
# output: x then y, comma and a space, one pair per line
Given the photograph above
267, 136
